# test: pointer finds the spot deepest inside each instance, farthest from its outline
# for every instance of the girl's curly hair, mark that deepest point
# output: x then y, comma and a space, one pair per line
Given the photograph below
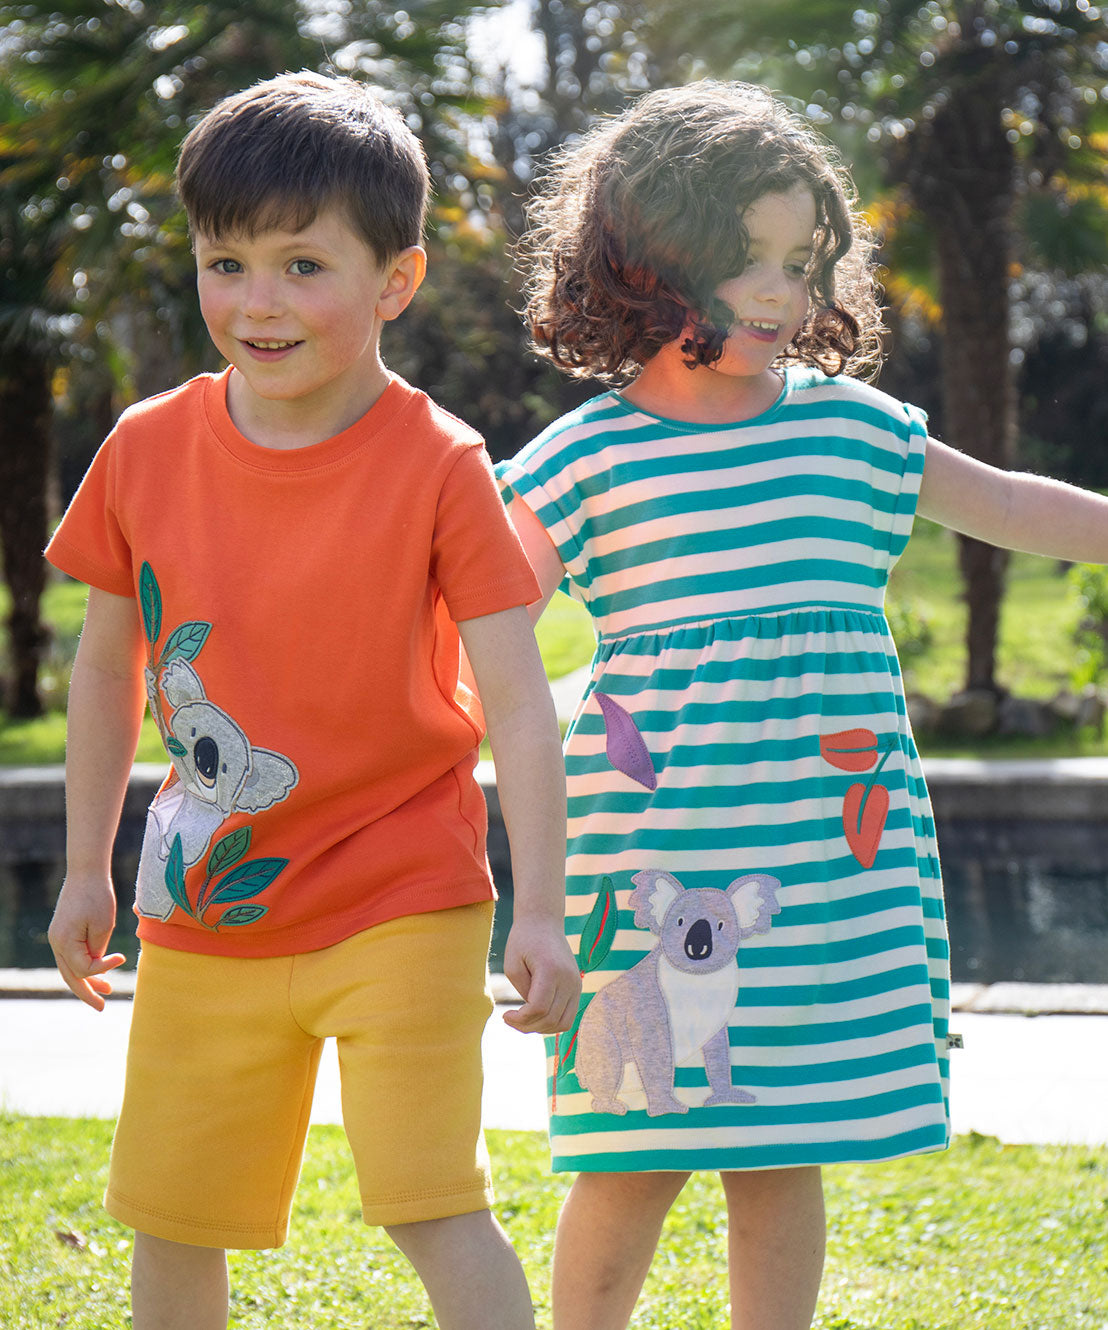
635, 225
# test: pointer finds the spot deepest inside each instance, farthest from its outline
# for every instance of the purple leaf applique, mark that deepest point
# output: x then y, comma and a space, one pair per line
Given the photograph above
625, 747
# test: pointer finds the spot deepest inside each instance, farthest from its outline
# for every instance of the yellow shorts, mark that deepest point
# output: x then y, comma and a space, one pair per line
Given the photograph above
222, 1064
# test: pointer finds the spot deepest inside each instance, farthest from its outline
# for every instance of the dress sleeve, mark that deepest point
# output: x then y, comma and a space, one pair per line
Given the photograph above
913, 435
548, 481
90, 543
476, 557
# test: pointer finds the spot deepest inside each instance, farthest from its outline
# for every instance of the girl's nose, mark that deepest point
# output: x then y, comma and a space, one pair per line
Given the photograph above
773, 284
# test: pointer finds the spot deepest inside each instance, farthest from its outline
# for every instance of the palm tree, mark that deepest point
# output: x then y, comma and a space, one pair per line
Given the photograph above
975, 111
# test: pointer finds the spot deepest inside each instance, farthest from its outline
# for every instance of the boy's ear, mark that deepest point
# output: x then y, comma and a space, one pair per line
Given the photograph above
407, 272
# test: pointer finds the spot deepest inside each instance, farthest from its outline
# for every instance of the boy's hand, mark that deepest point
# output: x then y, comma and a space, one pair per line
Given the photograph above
79, 931
538, 961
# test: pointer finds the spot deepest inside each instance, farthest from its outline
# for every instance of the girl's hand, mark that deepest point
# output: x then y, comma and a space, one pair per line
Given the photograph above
538, 961
79, 932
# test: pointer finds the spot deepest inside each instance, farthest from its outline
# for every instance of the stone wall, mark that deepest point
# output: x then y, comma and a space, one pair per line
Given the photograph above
1024, 848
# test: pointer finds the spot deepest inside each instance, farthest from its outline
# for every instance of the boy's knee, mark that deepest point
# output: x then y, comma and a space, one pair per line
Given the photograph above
426, 1234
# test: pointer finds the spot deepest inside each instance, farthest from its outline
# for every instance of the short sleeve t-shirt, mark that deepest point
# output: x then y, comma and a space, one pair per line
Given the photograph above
299, 611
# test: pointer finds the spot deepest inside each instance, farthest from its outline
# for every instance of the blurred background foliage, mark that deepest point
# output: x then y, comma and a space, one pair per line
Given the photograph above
977, 131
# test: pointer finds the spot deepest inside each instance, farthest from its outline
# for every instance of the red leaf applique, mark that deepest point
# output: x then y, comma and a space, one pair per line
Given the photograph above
849, 750
865, 808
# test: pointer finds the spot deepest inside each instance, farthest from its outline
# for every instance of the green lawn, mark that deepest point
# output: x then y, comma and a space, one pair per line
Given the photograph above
985, 1237
1037, 653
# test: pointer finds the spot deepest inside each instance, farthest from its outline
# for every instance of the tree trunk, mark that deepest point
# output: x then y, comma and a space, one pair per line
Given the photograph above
25, 401
962, 178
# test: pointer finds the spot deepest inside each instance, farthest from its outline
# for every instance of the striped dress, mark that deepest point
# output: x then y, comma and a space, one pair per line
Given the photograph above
753, 886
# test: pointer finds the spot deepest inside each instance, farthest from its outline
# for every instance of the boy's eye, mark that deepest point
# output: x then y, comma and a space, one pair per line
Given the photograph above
304, 267
227, 266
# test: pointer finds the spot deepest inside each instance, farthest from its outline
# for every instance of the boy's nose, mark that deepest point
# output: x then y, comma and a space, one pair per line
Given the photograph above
260, 297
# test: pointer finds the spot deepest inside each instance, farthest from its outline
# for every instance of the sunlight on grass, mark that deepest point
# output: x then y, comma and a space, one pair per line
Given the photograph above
984, 1237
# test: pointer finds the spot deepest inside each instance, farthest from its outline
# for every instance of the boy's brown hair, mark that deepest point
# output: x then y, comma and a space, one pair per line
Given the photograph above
276, 154
635, 226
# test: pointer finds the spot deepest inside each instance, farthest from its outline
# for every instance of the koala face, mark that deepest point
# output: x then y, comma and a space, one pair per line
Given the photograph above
700, 931
217, 753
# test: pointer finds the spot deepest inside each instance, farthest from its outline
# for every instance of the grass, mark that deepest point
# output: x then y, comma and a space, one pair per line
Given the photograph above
1036, 653
985, 1237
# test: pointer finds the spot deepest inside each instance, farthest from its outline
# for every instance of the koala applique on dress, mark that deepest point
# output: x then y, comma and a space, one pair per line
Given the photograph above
673, 1006
219, 772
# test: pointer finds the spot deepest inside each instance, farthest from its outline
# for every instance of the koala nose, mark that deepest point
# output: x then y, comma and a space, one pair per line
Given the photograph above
698, 941
206, 755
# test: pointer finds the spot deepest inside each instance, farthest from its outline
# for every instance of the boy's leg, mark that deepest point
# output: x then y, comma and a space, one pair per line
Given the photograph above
470, 1271
178, 1287
607, 1235
776, 1236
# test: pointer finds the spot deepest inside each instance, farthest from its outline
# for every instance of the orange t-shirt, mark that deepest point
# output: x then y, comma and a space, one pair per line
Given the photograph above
298, 608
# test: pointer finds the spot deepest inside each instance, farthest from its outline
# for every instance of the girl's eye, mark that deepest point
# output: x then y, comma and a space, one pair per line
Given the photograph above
304, 267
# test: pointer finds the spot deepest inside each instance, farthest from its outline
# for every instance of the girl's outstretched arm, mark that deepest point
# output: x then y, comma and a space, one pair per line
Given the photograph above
1012, 509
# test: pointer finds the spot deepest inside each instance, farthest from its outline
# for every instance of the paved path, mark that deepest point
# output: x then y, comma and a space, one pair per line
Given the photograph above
1025, 1079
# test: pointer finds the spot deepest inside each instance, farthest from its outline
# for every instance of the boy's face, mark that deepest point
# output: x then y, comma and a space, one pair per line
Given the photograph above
298, 315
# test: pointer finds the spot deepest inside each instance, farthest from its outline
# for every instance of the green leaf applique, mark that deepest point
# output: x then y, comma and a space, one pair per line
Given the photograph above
599, 931
175, 747
228, 850
248, 879
238, 915
185, 642
596, 941
175, 876
150, 598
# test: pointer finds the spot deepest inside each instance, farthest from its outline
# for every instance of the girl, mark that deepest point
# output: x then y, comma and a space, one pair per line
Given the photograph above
753, 886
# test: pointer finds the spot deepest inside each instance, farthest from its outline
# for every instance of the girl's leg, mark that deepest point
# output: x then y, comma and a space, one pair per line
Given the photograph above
470, 1271
776, 1233
607, 1234
178, 1287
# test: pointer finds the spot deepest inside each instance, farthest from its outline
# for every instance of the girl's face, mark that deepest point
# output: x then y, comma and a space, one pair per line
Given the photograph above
769, 298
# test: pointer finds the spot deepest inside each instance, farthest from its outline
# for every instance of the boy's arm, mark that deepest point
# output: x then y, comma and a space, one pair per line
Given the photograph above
1013, 509
106, 700
530, 778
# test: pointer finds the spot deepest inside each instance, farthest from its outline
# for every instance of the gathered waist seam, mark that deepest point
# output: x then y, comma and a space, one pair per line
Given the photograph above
777, 612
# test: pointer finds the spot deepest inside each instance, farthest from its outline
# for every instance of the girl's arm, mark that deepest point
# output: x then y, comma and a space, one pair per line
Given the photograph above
1014, 510
546, 562
106, 701
530, 780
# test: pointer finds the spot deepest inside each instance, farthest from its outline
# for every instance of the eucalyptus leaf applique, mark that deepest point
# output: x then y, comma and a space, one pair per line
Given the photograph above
596, 941
866, 803
626, 748
239, 885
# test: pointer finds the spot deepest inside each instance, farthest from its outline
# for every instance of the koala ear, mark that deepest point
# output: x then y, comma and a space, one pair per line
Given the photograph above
655, 891
181, 684
755, 900
269, 780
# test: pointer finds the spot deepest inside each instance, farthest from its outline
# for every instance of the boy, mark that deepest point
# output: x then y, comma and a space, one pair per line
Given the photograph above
281, 560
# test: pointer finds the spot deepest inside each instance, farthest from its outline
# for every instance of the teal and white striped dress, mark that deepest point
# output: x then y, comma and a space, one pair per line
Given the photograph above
744, 727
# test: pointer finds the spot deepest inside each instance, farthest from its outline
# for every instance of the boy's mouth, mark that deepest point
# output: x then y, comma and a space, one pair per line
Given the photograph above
268, 346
